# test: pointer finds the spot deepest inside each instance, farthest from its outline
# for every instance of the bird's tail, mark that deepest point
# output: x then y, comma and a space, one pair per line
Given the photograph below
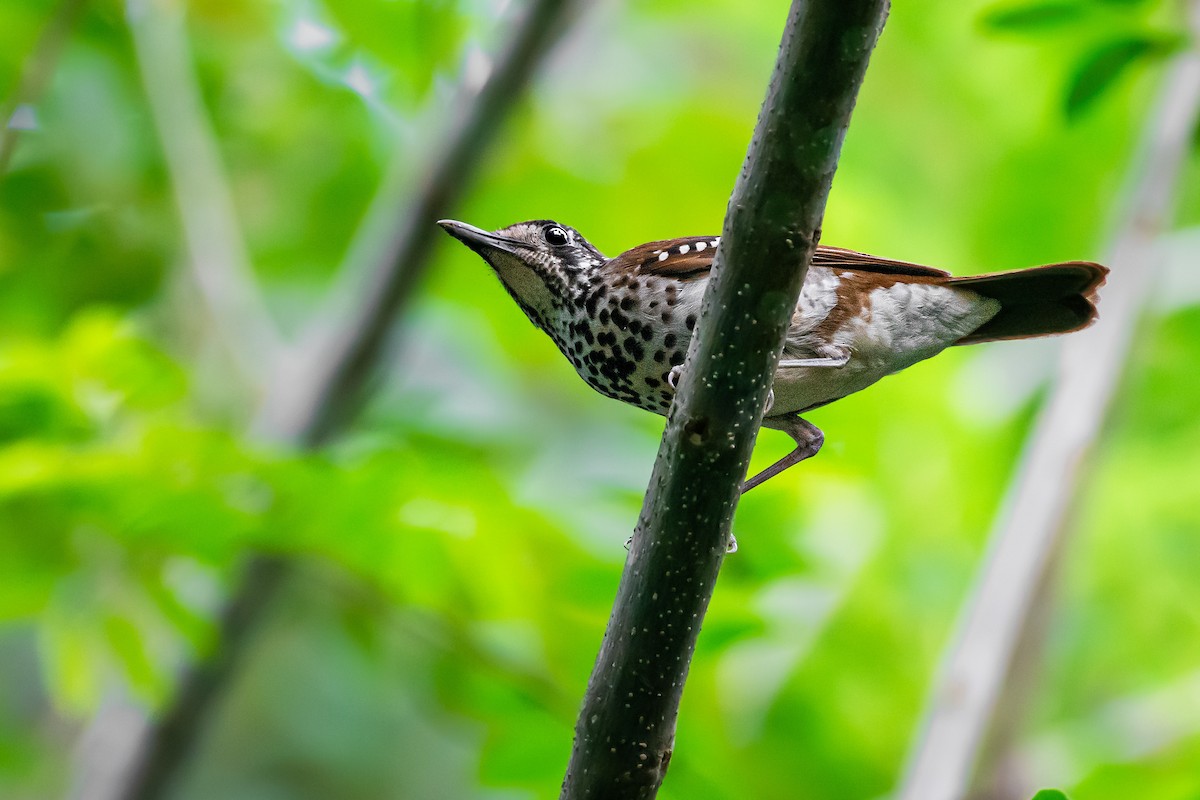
1039, 301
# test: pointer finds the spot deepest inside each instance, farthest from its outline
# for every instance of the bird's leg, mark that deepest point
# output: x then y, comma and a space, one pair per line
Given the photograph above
808, 439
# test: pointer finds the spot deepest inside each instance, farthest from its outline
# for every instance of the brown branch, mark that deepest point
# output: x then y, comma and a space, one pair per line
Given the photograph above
333, 374
39, 68
963, 703
626, 730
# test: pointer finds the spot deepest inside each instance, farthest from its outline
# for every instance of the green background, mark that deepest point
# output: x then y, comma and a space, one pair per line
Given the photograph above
463, 541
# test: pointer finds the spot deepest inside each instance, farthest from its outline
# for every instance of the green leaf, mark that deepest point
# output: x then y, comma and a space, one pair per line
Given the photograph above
1100, 69
1032, 17
1050, 794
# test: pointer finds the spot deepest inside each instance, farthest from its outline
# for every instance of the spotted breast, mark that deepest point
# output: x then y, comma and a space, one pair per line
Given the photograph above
625, 323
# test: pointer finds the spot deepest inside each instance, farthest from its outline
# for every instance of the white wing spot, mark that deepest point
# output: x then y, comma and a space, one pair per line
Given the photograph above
716, 241
684, 249
663, 255
700, 246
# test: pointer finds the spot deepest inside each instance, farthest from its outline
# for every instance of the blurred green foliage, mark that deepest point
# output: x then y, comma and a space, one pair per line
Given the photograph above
463, 541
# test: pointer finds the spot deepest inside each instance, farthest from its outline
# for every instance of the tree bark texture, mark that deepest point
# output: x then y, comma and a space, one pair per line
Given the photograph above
626, 730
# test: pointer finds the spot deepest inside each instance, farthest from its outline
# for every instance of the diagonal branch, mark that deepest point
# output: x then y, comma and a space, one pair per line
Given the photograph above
216, 252
312, 396
1044, 491
332, 373
626, 730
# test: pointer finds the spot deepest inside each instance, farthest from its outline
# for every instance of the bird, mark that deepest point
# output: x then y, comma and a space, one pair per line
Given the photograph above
624, 323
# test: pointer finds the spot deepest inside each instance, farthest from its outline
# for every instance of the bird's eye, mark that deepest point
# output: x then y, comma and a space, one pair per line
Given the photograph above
555, 236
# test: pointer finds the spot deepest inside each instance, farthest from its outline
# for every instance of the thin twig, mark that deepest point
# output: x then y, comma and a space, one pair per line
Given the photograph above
216, 252
332, 374
964, 700
36, 75
626, 730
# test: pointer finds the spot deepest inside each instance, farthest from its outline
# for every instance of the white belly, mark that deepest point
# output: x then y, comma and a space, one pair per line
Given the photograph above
906, 323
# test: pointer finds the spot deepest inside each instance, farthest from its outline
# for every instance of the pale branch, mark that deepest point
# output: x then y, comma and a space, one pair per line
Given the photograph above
626, 730
312, 396
964, 699
36, 74
333, 372
217, 258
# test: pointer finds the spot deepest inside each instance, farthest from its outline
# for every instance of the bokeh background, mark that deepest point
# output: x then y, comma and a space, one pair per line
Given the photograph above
461, 541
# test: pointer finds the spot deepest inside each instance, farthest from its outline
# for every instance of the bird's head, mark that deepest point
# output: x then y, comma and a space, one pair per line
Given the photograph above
543, 264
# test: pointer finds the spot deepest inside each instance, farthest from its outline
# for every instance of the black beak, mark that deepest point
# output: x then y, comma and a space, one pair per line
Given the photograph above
478, 239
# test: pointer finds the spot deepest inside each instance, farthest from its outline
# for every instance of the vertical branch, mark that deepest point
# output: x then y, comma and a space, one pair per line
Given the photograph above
36, 74
626, 730
333, 372
963, 702
216, 253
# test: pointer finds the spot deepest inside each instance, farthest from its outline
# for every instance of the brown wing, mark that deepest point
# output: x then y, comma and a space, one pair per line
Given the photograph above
692, 257
835, 257
689, 257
